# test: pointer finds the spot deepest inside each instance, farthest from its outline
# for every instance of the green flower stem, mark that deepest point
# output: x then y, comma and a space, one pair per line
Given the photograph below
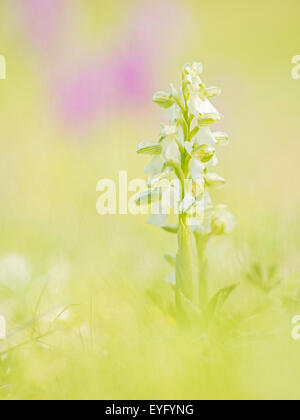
179, 172
186, 266
191, 261
201, 243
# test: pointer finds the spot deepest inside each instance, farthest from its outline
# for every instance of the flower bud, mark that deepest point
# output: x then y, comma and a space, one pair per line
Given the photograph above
191, 75
213, 91
222, 139
163, 99
195, 67
222, 222
147, 197
208, 119
214, 180
147, 148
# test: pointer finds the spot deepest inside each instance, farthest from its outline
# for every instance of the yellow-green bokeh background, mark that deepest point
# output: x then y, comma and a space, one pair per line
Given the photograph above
115, 266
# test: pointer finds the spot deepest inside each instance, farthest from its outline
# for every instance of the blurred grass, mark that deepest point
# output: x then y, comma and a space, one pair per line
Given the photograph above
112, 267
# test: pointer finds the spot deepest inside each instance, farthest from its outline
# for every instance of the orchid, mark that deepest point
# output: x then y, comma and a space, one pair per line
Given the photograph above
181, 178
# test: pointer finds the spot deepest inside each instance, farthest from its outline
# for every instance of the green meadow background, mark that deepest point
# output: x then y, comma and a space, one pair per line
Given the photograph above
88, 315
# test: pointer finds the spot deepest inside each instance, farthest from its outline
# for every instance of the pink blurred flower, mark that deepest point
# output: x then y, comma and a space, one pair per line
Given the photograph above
106, 82
42, 20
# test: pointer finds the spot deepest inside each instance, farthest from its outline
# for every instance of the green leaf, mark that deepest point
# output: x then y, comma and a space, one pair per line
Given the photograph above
171, 259
188, 309
220, 298
194, 131
263, 279
170, 228
187, 264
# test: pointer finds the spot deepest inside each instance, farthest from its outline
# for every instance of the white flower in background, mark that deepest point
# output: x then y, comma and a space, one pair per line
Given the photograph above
222, 221
15, 272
